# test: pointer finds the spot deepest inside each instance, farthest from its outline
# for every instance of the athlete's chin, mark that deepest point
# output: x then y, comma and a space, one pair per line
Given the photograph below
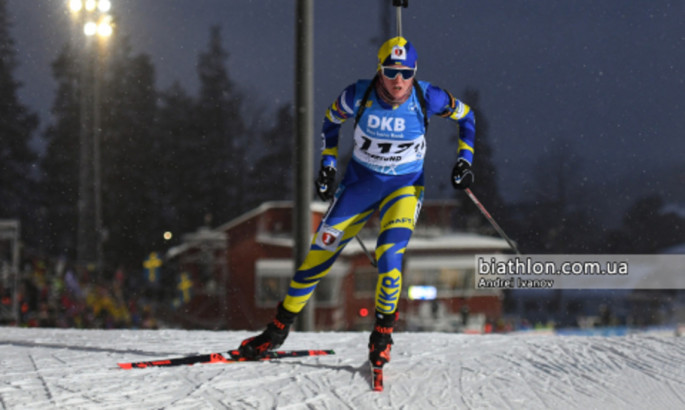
398, 92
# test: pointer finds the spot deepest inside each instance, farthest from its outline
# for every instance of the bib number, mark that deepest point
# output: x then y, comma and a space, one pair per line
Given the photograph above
399, 152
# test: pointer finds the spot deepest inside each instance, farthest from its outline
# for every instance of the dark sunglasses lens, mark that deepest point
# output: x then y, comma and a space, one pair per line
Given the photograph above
407, 74
392, 73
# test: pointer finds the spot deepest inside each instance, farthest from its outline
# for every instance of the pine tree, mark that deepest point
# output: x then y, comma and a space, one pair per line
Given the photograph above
128, 110
221, 140
649, 226
179, 156
60, 164
129, 161
18, 197
273, 172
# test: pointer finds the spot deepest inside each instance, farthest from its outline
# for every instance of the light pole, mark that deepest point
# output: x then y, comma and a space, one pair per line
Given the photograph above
93, 18
304, 131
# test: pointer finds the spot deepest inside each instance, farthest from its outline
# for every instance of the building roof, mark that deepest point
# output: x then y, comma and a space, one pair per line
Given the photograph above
435, 241
316, 206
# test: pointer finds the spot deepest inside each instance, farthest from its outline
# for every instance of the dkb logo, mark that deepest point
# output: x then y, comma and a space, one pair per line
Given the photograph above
386, 123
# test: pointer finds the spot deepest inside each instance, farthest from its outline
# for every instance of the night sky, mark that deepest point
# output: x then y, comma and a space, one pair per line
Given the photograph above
599, 84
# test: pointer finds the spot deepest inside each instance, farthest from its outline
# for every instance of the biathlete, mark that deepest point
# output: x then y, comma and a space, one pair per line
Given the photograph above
385, 173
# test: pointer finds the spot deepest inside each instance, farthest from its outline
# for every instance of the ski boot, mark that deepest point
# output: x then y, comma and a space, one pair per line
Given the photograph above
271, 338
380, 341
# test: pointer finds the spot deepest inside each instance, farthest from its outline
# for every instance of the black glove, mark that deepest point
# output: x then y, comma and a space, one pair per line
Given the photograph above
462, 176
325, 183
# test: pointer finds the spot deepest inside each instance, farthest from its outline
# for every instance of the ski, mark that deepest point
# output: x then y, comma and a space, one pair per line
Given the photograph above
376, 378
232, 356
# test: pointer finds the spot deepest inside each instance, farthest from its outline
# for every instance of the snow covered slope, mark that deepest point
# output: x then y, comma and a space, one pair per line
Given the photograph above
76, 369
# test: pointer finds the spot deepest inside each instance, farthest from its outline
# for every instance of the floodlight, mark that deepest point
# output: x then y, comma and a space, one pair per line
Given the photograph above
91, 28
75, 5
104, 5
104, 28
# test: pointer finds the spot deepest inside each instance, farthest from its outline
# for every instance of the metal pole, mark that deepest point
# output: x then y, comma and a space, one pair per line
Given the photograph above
15, 268
304, 135
85, 199
399, 5
224, 246
13, 233
97, 165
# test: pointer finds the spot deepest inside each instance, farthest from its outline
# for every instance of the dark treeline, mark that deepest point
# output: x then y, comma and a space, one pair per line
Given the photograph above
563, 214
170, 161
173, 161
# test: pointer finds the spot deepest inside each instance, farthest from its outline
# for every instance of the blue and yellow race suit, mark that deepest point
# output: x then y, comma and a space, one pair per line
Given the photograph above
384, 174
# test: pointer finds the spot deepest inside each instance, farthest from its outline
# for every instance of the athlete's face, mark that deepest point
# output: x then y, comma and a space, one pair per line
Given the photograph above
399, 85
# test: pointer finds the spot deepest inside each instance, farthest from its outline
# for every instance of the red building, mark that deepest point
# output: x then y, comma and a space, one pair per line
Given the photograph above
241, 270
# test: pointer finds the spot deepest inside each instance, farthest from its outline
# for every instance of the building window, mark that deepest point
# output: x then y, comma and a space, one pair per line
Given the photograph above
273, 278
451, 276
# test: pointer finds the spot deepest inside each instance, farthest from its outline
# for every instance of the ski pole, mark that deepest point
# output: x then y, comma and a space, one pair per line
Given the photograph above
492, 220
366, 251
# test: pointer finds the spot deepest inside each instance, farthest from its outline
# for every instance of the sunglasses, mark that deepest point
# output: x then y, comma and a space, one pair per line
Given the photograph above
391, 73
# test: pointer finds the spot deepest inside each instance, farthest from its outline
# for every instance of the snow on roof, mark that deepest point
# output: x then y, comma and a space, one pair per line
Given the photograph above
451, 241
316, 206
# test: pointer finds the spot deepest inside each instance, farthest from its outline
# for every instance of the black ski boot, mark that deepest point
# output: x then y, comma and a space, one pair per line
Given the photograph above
271, 338
380, 341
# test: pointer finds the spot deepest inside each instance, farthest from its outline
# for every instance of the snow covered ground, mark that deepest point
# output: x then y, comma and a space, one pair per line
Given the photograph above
76, 369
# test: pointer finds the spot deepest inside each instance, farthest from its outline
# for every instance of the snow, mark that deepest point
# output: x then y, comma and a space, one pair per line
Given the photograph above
76, 369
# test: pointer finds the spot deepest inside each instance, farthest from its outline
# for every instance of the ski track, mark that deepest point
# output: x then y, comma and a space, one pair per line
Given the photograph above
46, 389
76, 369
